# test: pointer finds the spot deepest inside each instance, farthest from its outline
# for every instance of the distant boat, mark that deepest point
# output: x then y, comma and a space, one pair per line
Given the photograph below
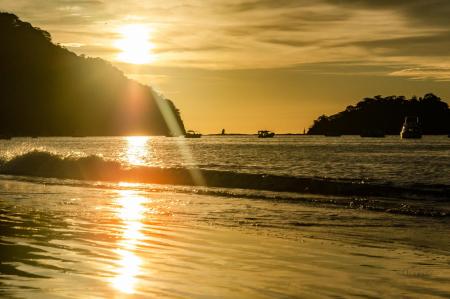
373, 133
411, 128
265, 134
192, 134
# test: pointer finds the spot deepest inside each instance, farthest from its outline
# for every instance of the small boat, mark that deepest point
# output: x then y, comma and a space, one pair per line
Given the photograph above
411, 128
373, 134
192, 134
265, 134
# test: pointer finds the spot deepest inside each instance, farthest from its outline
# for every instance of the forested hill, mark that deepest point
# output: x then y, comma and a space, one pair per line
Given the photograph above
46, 90
386, 114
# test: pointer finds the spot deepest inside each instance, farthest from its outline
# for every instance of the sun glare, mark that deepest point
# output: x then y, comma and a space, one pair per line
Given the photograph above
131, 211
135, 45
137, 149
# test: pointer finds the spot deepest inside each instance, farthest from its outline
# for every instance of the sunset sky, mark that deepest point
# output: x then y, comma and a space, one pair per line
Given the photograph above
246, 65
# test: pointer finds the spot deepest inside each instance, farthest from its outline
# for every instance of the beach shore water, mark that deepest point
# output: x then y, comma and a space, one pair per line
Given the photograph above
122, 242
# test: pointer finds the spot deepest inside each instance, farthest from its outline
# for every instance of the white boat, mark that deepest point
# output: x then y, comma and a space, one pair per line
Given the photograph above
192, 134
411, 128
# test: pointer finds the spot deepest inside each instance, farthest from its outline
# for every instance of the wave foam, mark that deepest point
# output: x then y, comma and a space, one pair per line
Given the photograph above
95, 168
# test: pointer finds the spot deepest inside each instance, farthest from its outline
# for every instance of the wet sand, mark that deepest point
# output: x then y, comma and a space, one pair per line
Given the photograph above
85, 242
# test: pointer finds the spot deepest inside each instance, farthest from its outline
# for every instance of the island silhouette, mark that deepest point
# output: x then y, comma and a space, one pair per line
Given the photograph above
385, 115
46, 90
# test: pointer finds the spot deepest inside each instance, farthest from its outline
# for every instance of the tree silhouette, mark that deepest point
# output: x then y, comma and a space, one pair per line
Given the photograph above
47, 90
386, 114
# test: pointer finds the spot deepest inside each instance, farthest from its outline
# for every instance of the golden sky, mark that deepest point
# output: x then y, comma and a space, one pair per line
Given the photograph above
246, 65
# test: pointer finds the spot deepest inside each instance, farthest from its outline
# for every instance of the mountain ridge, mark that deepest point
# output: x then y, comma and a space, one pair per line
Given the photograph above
47, 90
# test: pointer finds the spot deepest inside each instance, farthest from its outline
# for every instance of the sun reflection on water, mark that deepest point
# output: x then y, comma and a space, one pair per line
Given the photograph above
137, 151
131, 211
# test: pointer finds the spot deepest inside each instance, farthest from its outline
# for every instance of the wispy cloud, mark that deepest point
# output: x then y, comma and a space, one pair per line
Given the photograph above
423, 12
251, 34
438, 74
432, 44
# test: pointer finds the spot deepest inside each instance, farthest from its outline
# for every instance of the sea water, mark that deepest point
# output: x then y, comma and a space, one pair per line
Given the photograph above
390, 159
63, 237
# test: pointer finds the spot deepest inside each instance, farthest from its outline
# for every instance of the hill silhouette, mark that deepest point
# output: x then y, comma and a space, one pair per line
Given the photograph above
386, 114
46, 90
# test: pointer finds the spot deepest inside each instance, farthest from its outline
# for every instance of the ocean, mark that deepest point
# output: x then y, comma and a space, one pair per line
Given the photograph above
225, 217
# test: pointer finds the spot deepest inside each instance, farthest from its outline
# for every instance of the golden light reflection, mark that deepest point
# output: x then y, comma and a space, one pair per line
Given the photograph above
129, 268
131, 211
137, 149
135, 44
176, 130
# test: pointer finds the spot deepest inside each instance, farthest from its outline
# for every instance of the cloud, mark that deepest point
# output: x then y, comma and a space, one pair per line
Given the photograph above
435, 44
431, 12
438, 74
180, 48
243, 6
252, 34
291, 42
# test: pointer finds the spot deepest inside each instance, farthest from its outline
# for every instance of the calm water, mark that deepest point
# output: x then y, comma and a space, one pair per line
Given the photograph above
73, 239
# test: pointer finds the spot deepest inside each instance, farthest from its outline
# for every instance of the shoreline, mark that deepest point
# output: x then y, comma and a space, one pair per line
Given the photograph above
433, 208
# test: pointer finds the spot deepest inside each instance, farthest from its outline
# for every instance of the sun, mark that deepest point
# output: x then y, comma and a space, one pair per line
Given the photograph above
135, 44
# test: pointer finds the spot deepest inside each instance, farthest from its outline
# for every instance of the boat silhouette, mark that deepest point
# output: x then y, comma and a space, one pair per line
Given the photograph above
265, 134
411, 128
192, 134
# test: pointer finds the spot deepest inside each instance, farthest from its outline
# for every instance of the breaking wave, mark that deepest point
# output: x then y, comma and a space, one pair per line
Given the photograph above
95, 168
